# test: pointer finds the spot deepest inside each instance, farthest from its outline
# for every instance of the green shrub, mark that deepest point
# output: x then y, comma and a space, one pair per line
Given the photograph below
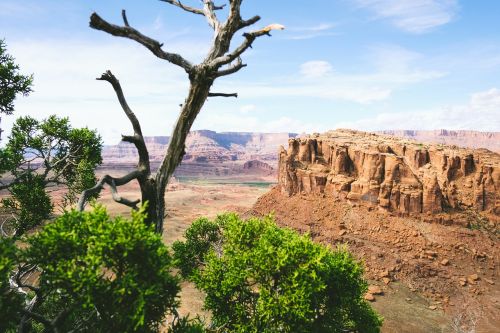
10, 300
112, 275
258, 277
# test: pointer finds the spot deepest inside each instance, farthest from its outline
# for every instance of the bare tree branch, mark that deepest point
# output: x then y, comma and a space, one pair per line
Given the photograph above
220, 61
209, 11
233, 68
249, 22
121, 200
222, 95
186, 8
96, 22
111, 181
137, 139
247, 43
124, 16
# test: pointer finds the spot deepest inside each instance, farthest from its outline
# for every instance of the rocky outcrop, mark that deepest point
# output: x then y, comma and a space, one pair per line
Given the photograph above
394, 174
257, 165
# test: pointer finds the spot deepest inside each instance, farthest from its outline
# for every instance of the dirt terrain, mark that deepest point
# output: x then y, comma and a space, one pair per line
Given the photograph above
419, 266
428, 272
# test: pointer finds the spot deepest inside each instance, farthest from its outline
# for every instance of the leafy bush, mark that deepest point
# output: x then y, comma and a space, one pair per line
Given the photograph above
40, 154
29, 201
12, 82
10, 301
261, 278
108, 275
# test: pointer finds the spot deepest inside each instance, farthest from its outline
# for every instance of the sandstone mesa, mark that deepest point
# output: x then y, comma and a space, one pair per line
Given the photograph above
394, 174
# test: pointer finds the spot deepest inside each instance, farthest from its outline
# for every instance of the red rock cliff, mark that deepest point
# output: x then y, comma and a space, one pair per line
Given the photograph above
392, 173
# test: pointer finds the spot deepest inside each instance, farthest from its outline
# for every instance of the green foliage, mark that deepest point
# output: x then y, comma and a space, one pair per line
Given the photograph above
11, 81
84, 148
30, 201
201, 236
46, 153
10, 301
115, 272
187, 325
261, 278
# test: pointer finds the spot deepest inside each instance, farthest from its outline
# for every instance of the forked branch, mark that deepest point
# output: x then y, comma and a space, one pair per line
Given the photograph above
137, 139
113, 183
232, 68
209, 10
247, 43
179, 4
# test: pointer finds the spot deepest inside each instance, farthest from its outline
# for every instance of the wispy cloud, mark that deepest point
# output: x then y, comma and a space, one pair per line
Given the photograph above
393, 67
309, 32
247, 108
253, 123
315, 68
482, 113
414, 16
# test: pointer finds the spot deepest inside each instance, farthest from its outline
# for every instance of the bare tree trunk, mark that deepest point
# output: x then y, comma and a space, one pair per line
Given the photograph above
219, 62
198, 93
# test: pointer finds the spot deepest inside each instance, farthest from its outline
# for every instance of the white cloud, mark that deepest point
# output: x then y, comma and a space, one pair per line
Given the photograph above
482, 113
315, 68
314, 28
394, 68
309, 32
158, 23
247, 108
414, 16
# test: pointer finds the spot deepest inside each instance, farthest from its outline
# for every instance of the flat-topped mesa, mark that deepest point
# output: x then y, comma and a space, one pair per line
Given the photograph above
392, 173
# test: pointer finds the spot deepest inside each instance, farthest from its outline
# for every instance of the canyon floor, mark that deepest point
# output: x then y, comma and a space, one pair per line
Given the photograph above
420, 267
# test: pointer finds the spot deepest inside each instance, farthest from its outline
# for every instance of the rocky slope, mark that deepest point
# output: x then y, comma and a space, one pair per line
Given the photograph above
394, 174
423, 218
461, 138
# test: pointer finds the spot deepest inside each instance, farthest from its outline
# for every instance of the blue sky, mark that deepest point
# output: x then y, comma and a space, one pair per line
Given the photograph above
365, 64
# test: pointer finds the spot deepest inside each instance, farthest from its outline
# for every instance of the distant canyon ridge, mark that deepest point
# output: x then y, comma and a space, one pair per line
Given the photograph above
255, 155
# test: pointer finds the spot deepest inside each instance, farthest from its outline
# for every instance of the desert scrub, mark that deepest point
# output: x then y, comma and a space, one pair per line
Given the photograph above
258, 277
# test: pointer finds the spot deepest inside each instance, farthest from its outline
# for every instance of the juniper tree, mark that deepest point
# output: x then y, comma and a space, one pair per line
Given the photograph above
12, 83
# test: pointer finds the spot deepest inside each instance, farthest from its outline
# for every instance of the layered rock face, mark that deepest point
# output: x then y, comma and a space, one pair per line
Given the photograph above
395, 174
206, 146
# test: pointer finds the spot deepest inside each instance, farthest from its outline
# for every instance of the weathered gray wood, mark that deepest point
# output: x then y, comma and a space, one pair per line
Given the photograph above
218, 62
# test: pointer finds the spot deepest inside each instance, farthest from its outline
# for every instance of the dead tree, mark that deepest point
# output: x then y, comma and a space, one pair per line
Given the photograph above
220, 61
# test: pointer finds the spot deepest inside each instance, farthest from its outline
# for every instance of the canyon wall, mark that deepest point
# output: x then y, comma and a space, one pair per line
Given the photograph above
394, 174
206, 146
